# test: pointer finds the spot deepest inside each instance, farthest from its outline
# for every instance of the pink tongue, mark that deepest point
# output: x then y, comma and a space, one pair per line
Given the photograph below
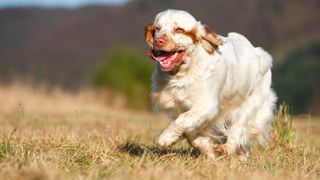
162, 57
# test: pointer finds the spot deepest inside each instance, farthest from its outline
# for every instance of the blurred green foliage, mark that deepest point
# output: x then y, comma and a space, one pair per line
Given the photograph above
126, 71
297, 79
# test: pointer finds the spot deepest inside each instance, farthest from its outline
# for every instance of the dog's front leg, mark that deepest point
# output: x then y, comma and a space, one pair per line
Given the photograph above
170, 135
205, 96
188, 123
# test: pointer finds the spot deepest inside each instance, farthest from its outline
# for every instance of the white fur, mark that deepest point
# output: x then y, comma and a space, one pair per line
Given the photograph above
220, 100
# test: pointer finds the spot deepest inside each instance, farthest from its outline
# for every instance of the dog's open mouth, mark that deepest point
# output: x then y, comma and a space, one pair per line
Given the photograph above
167, 60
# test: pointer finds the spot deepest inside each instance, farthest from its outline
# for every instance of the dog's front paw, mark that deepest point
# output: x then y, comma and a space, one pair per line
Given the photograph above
170, 136
167, 140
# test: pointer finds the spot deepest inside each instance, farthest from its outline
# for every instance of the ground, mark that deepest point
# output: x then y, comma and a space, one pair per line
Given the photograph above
52, 134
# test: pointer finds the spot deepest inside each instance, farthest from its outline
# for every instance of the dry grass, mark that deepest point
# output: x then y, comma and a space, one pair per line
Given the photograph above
59, 135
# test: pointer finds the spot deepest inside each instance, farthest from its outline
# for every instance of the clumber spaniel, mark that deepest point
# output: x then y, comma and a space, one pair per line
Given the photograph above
216, 89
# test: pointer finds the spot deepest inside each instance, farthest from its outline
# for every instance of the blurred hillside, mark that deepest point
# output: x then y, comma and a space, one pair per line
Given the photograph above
61, 46
64, 46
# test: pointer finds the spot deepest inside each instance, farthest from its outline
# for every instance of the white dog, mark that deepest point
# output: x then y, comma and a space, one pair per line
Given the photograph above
216, 89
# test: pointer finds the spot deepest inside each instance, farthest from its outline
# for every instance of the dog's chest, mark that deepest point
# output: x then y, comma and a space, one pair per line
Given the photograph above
172, 98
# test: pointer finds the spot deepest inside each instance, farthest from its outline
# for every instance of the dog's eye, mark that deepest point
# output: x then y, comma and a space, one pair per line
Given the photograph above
179, 30
157, 28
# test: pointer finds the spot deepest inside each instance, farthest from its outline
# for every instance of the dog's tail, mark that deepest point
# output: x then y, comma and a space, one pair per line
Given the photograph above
265, 60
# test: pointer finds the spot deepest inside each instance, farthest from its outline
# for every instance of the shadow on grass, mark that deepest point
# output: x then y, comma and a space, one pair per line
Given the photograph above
135, 149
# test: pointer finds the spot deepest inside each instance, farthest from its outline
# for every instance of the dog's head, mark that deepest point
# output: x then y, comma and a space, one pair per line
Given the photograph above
174, 34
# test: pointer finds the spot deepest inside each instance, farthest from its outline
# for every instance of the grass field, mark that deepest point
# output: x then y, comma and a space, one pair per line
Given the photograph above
59, 135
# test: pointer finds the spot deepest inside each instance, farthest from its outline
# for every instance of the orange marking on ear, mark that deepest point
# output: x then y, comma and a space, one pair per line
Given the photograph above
212, 37
148, 33
210, 40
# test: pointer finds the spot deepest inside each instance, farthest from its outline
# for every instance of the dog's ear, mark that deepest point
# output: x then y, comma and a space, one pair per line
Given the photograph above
148, 34
210, 40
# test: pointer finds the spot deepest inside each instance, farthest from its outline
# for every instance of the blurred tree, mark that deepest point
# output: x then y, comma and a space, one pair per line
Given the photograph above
297, 79
128, 72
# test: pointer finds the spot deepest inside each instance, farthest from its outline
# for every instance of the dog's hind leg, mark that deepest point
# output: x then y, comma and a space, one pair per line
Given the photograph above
202, 142
252, 127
